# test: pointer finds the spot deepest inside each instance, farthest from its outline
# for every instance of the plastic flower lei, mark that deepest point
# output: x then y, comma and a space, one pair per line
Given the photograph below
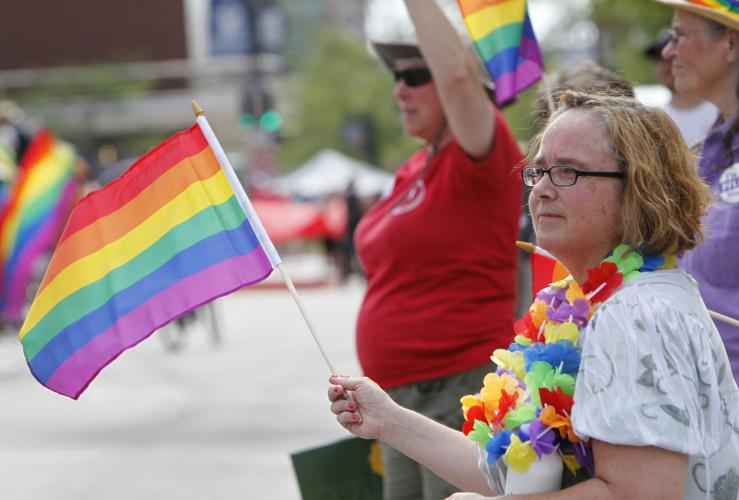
523, 409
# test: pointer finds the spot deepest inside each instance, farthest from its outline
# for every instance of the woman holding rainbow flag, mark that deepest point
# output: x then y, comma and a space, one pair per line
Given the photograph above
616, 380
442, 242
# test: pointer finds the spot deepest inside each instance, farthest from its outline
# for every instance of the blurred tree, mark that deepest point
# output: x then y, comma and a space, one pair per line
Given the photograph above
339, 81
626, 28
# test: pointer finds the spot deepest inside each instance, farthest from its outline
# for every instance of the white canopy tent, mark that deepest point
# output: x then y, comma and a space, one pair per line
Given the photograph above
329, 172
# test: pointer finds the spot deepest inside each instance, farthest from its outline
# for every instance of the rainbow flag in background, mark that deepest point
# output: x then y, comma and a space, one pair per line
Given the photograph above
545, 270
502, 33
167, 236
32, 219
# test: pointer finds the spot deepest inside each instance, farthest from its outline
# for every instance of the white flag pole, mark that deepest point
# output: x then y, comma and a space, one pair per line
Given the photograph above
722, 317
256, 223
531, 248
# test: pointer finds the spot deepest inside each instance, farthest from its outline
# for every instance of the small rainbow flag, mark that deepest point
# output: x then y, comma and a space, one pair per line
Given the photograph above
502, 33
36, 209
174, 232
730, 7
545, 269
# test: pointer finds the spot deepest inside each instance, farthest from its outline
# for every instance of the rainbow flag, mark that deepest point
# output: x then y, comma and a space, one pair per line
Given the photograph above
502, 33
545, 270
730, 7
31, 221
174, 232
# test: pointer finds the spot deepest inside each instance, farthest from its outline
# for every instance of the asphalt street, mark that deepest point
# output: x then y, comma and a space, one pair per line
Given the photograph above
205, 422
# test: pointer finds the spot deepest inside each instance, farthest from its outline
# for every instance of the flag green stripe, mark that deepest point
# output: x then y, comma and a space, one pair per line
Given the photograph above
499, 40
41, 206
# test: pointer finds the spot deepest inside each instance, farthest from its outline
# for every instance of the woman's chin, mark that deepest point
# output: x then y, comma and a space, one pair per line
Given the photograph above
550, 243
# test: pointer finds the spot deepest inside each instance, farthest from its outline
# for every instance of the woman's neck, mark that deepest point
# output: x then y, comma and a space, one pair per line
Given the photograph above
726, 100
578, 266
442, 138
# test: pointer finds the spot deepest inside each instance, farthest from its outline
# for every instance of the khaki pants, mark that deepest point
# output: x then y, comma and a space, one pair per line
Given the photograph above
438, 399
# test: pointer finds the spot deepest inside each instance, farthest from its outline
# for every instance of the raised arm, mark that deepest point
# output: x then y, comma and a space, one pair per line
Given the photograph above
372, 414
465, 103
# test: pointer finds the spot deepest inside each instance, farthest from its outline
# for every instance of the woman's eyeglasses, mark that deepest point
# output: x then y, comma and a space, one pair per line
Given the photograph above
414, 77
676, 35
561, 175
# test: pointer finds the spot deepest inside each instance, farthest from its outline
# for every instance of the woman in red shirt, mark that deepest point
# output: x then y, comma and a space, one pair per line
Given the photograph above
439, 252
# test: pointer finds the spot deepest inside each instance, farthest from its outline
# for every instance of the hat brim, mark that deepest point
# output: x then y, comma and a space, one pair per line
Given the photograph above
713, 14
392, 53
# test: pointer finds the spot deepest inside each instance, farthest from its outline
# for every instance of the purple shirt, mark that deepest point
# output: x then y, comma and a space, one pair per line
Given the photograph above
715, 263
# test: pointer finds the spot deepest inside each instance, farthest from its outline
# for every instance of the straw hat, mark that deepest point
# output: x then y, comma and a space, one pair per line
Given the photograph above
719, 11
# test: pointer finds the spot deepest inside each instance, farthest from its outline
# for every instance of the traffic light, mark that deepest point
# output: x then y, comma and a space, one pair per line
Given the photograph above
270, 121
258, 111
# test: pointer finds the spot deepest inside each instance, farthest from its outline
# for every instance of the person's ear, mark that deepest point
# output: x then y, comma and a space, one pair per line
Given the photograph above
732, 41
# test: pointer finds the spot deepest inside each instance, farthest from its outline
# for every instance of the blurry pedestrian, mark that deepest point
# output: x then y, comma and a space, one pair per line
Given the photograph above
704, 52
587, 77
693, 116
348, 264
439, 251
13, 136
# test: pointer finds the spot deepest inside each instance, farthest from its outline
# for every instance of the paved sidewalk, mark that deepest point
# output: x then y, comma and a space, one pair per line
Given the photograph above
203, 423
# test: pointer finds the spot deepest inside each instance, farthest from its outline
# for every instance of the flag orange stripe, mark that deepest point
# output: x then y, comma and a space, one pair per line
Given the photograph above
110, 228
469, 7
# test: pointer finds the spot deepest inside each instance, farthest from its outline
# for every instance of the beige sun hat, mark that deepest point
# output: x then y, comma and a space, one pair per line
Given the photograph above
725, 12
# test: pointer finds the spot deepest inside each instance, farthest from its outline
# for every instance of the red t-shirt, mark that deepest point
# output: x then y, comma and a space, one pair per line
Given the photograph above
440, 258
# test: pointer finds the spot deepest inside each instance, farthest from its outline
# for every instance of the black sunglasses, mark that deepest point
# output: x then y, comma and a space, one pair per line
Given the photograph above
414, 77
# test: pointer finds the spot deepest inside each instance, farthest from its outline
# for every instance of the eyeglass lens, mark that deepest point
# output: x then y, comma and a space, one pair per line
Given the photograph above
560, 176
413, 77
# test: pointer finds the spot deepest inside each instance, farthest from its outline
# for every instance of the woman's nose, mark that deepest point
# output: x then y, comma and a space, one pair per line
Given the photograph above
544, 188
668, 52
401, 90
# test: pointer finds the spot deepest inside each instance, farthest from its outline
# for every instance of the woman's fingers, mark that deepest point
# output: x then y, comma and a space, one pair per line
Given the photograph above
341, 405
335, 392
350, 383
347, 418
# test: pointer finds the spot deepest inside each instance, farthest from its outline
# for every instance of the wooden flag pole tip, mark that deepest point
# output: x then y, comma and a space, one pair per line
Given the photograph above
526, 246
197, 109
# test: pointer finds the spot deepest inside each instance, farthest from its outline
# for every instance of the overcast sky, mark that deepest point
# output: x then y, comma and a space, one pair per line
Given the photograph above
388, 19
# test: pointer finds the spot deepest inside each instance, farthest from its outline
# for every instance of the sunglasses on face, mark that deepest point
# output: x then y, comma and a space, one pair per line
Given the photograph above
414, 77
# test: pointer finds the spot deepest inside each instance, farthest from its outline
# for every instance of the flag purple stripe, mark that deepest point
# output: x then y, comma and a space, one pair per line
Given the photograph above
526, 73
75, 374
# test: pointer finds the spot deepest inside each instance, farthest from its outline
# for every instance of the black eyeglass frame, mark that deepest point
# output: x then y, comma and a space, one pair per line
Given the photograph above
413, 77
528, 172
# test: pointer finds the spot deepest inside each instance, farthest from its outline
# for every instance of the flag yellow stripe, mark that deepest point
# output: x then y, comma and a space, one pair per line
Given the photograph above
89, 269
484, 21
112, 226
42, 177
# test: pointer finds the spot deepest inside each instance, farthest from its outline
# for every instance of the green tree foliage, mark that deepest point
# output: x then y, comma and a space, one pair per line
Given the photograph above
340, 79
626, 28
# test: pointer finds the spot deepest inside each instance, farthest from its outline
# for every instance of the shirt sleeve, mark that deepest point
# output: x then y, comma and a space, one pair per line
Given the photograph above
494, 473
499, 167
649, 376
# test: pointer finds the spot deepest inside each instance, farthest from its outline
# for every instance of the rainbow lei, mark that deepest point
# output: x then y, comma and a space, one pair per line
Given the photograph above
523, 409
